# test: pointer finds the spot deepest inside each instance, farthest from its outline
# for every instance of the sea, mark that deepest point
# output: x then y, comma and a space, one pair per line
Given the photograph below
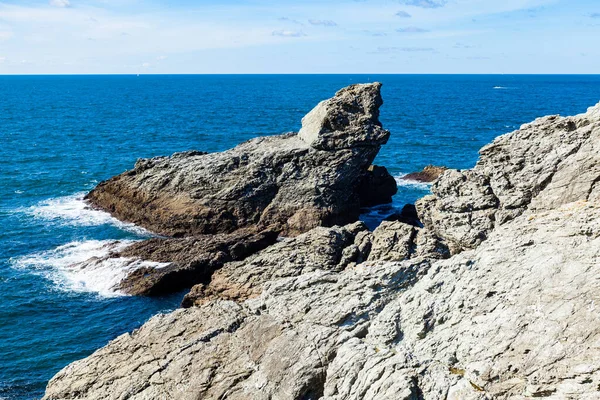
61, 135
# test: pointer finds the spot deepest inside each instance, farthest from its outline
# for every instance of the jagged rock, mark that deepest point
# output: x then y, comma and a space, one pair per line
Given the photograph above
397, 241
429, 174
348, 120
514, 318
278, 345
554, 154
188, 260
321, 248
294, 182
377, 186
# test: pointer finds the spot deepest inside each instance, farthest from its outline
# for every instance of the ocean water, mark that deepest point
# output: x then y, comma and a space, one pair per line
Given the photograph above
61, 135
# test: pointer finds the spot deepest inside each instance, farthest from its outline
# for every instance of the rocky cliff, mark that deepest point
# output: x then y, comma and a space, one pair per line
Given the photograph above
495, 297
223, 207
291, 182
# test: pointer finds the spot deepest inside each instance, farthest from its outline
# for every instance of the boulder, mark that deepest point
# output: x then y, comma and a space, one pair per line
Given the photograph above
293, 182
429, 174
376, 187
348, 120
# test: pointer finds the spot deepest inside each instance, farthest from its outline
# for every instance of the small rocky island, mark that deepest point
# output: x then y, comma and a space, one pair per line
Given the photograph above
493, 294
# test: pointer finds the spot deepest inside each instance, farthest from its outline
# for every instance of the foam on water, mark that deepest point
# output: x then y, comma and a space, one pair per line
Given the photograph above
80, 266
73, 210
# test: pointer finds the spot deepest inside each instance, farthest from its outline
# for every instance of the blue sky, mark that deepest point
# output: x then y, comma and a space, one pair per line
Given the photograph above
279, 36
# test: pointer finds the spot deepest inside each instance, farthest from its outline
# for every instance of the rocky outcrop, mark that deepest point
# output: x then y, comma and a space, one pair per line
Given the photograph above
429, 174
293, 182
386, 315
555, 155
186, 261
330, 249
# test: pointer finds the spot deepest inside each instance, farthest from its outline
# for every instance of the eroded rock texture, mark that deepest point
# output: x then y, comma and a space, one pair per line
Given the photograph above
343, 313
294, 182
554, 155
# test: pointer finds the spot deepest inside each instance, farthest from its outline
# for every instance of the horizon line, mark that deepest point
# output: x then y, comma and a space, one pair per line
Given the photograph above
307, 74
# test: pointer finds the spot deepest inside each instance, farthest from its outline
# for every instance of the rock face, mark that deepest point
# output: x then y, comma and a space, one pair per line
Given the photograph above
343, 313
189, 260
293, 182
554, 155
429, 174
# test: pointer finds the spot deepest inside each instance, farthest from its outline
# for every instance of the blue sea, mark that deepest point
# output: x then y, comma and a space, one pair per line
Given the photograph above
61, 135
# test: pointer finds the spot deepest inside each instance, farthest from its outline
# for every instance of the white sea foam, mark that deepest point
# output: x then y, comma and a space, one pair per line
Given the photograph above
73, 210
400, 181
500, 87
81, 266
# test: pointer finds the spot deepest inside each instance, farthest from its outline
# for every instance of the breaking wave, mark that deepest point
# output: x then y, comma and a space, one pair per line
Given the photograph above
82, 266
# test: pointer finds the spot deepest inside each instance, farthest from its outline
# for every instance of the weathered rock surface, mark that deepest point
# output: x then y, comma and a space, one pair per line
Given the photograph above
555, 155
516, 317
294, 182
429, 174
189, 260
331, 249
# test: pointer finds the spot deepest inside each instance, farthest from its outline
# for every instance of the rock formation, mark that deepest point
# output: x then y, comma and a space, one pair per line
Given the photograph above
343, 313
225, 206
293, 182
429, 174
553, 154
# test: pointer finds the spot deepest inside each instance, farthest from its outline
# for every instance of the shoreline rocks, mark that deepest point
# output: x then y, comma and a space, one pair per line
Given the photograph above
429, 174
293, 182
551, 154
495, 297
223, 207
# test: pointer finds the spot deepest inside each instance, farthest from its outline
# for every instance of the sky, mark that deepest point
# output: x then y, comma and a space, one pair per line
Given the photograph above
280, 36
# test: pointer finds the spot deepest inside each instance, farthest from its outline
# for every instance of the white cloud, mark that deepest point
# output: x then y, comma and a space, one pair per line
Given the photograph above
321, 22
411, 29
146, 65
2, 60
60, 3
160, 58
425, 3
286, 33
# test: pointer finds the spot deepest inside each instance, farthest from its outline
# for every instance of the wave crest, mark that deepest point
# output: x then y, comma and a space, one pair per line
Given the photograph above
73, 210
84, 267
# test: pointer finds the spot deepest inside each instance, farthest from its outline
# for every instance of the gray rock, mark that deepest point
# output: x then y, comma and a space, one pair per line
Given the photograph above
283, 181
349, 119
555, 155
331, 249
186, 261
514, 318
397, 241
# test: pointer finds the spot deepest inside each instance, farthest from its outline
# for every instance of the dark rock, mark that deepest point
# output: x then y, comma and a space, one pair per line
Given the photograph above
407, 215
376, 187
294, 182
